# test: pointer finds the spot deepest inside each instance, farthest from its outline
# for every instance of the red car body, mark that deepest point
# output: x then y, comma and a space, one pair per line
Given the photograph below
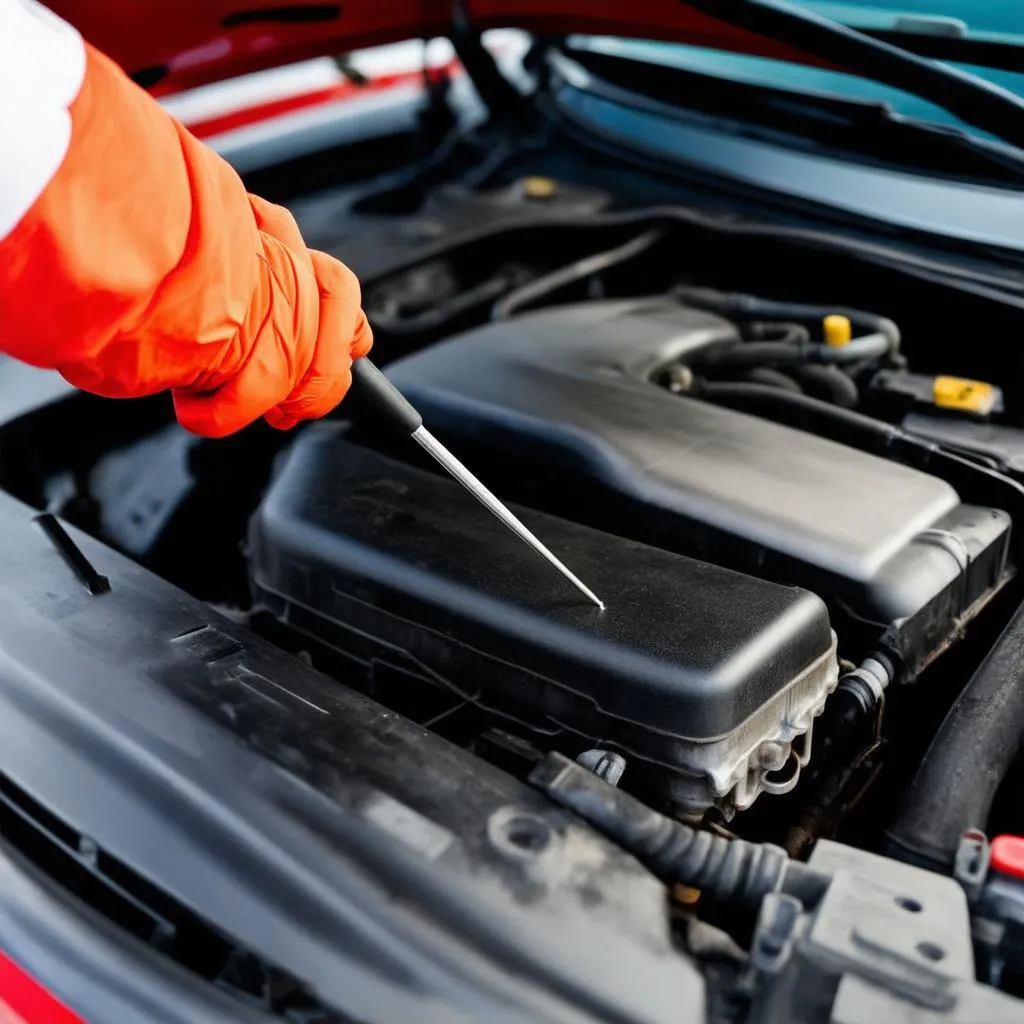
177, 44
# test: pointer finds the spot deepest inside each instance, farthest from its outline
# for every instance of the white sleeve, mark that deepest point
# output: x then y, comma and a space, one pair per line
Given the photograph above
42, 64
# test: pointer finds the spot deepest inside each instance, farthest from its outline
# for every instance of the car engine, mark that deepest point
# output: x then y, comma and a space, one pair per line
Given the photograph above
772, 455
702, 674
814, 547
711, 662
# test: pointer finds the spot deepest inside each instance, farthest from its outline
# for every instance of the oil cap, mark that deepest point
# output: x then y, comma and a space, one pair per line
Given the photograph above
540, 188
1007, 856
837, 330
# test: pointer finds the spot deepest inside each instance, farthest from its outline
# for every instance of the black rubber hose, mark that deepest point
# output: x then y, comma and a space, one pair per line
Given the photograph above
838, 388
438, 316
541, 287
969, 757
772, 378
865, 349
733, 871
759, 330
756, 353
847, 733
785, 353
736, 305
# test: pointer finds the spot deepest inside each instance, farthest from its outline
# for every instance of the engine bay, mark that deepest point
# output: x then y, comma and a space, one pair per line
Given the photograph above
568, 404
789, 465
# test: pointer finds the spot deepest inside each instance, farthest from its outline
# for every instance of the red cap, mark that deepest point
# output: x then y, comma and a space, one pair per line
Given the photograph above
1008, 855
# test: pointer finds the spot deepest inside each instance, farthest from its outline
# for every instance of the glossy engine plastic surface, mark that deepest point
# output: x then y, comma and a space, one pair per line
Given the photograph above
403, 568
565, 404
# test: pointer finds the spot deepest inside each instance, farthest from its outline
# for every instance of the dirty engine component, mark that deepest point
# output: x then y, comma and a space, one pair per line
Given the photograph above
711, 677
566, 406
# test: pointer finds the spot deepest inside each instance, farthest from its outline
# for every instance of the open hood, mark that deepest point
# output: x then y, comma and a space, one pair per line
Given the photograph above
174, 44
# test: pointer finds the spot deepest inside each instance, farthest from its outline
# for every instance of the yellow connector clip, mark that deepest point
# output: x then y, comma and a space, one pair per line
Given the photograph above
540, 188
964, 395
837, 330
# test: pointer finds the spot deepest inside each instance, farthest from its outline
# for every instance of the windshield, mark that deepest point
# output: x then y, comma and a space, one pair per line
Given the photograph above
964, 23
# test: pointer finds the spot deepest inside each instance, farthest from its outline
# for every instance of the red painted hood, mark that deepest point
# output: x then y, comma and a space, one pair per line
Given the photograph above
173, 44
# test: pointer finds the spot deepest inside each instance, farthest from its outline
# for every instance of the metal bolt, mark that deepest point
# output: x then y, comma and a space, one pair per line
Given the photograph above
605, 764
680, 378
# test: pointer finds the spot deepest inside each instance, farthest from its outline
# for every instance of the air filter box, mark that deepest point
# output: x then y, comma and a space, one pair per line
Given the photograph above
712, 676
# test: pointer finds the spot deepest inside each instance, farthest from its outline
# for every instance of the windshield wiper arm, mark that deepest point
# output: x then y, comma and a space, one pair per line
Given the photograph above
972, 99
986, 53
868, 127
875, 128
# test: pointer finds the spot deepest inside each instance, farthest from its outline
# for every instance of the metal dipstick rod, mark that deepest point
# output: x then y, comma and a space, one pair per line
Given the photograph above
392, 405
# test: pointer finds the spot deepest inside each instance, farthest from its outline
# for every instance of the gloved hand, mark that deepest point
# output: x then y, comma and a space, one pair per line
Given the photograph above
136, 262
297, 363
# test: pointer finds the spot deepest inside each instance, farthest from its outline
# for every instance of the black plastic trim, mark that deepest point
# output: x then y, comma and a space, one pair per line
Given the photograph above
248, 788
94, 968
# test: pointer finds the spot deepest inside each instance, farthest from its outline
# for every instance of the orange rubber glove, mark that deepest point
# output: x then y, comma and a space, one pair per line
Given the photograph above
143, 265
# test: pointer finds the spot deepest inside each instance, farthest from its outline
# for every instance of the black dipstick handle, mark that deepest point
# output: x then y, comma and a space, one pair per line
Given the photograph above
379, 394
373, 390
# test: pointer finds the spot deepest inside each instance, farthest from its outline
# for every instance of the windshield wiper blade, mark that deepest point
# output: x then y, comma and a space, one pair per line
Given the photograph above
875, 129
838, 123
985, 53
972, 99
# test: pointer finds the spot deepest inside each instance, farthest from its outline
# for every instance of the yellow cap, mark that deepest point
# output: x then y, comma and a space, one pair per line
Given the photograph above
966, 395
539, 188
685, 895
837, 329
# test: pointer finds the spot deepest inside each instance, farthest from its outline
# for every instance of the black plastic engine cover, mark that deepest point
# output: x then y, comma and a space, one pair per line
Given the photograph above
561, 404
178, 795
401, 567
